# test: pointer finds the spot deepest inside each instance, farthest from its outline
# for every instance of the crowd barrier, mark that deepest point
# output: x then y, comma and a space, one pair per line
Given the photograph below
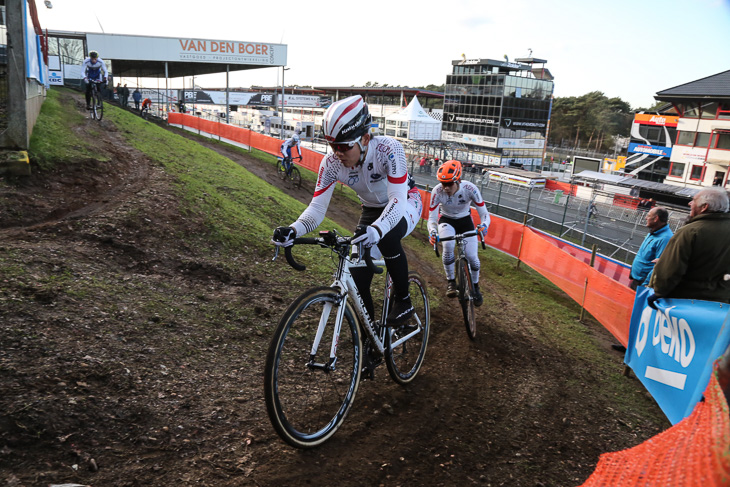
695, 451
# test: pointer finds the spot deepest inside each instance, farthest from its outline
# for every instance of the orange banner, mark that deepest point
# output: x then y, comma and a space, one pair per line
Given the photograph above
608, 300
566, 188
653, 119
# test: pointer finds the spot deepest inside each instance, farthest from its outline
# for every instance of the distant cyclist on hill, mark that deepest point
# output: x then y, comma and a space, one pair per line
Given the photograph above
453, 198
146, 104
375, 168
94, 70
287, 146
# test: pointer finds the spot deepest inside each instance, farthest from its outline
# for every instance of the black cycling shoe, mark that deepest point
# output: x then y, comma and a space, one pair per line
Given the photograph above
451, 290
477, 298
400, 311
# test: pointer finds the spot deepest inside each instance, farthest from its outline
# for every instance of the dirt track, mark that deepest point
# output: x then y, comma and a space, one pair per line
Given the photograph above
160, 397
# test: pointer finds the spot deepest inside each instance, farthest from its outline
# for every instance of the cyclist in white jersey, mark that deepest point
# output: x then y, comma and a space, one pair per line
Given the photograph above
287, 146
375, 167
289, 143
94, 70
453, 198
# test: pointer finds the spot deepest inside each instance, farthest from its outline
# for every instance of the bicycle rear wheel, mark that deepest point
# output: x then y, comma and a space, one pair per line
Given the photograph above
307, 398
295, 177
466, 298
406, 344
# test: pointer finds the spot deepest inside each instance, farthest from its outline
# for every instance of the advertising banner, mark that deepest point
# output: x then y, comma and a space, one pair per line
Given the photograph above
519, 180
234, 98
453, 117
55, 77
672, 350
653, 119
482, 140
654, 150
522, 124
301, 101
522, 143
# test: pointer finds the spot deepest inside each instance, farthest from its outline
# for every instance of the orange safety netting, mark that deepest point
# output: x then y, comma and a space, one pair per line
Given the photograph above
608, 300
693, 453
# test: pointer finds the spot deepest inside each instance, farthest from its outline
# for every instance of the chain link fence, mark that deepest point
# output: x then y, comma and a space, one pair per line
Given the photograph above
616, 231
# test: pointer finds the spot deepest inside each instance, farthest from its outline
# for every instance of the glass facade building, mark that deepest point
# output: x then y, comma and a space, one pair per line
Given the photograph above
499, 110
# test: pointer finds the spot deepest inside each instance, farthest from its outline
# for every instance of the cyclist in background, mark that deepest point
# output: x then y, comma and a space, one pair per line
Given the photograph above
375, 168
146, 104
453, 198
94, 70
287, 146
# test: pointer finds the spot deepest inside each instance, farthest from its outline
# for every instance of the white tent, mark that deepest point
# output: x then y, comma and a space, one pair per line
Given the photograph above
413, 123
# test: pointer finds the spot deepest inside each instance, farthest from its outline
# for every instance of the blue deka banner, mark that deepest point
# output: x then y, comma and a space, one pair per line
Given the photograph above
654, 150
672, 350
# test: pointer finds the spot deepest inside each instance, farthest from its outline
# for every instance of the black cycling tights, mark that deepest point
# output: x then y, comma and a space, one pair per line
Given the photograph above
395, 261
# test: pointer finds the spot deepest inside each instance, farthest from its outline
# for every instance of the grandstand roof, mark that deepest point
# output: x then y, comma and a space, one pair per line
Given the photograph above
715, 86
345, 91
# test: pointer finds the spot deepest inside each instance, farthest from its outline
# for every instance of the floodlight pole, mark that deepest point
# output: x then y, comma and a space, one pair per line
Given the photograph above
228, 109
281, 124
167, 93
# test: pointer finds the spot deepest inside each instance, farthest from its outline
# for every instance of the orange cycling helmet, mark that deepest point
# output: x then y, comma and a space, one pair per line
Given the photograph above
449, 172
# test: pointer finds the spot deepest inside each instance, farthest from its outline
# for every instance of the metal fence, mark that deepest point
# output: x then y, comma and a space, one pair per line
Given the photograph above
616, 231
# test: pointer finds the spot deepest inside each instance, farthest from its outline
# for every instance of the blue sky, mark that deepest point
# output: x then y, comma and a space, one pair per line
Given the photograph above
629, 49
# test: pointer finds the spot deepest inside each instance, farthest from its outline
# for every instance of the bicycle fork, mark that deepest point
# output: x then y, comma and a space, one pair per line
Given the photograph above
330, 365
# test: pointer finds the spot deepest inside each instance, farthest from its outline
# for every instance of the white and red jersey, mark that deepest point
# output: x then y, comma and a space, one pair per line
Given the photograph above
456, 206
381, 181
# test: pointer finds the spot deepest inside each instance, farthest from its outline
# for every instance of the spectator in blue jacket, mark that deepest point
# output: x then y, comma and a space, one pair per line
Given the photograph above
652, 246
137, 97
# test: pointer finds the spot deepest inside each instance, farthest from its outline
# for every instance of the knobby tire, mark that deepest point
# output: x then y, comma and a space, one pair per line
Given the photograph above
295, 177
97, 107
466, 297
307, 405
405, 360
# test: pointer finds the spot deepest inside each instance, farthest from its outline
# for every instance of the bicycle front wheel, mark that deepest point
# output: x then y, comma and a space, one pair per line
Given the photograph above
295, 177
280, 169
406, 344
98, 105
466, 297
308, 395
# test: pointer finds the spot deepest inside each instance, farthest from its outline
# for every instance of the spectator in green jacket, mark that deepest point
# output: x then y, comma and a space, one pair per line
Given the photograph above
696, 262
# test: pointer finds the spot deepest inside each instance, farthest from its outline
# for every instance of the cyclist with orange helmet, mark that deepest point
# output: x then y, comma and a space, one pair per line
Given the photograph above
450, 214
375, 168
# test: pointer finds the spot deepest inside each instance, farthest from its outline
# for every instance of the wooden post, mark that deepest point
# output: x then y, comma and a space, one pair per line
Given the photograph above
583, 302
522, 237
585, 288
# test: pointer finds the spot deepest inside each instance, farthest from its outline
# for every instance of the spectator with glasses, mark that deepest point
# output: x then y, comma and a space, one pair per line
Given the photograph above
450, 214
375, 168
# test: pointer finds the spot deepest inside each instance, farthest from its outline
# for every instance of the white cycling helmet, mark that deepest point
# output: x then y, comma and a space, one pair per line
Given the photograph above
346, 120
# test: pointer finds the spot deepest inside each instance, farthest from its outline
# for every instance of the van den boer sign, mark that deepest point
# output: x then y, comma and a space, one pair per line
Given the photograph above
225, 51
172, 49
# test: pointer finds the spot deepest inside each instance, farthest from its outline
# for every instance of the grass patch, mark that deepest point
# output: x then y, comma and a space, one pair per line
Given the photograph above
54, 141
237, 208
